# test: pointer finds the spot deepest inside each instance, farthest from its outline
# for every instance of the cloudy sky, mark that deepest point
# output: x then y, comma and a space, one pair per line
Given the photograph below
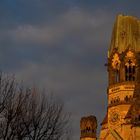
61, 45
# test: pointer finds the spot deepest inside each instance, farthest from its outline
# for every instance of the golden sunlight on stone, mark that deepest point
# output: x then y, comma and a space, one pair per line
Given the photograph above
122, 119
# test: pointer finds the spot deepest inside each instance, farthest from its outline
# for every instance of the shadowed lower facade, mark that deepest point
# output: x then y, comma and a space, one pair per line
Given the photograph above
88, 127
122, 119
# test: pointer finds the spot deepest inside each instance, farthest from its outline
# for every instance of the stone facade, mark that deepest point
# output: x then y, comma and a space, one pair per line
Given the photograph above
123, 111
122, 119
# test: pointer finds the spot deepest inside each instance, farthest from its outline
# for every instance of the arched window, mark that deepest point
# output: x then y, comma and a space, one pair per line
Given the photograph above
126, 98
116, 68
130, 97
139, 117
88, 129
117, 76
130, 71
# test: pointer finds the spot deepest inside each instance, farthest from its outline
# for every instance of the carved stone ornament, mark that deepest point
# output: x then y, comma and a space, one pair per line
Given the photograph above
130, 59
114, 117
130, 54
116, 61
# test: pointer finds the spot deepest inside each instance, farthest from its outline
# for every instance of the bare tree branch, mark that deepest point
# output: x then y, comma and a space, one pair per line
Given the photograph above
28, 114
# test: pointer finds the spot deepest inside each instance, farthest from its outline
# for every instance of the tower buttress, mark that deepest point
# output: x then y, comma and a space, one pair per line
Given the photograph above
88, 127
123, 110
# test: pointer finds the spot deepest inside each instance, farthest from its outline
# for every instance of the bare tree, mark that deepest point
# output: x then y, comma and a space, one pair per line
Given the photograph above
28, 114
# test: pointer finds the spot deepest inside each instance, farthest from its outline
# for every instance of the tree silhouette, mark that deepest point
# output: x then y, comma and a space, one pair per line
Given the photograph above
28, 114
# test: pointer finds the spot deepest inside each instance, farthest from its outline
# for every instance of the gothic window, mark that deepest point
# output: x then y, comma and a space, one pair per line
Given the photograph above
116, 67
88, 129
130, 71
139, 117
130, 68
126, 98
114, 101
118, 99
117, 76
130, 97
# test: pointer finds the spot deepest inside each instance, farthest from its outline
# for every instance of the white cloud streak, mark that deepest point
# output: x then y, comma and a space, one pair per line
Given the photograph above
76, 22
72, 82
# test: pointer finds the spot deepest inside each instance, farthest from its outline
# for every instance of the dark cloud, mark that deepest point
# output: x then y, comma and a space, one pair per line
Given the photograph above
62, 45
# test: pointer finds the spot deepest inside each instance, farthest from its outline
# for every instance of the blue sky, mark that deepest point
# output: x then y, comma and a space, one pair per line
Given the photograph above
62, 45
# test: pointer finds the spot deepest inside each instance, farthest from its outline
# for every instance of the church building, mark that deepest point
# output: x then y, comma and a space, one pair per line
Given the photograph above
122, 119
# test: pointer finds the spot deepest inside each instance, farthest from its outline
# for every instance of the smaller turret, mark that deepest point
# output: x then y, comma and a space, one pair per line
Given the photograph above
88, 127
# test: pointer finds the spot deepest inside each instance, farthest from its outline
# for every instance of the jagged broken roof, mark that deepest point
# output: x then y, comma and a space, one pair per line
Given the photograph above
126, 34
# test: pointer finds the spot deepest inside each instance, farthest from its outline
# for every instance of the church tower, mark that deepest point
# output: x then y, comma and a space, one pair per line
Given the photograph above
122, 120
88, 126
